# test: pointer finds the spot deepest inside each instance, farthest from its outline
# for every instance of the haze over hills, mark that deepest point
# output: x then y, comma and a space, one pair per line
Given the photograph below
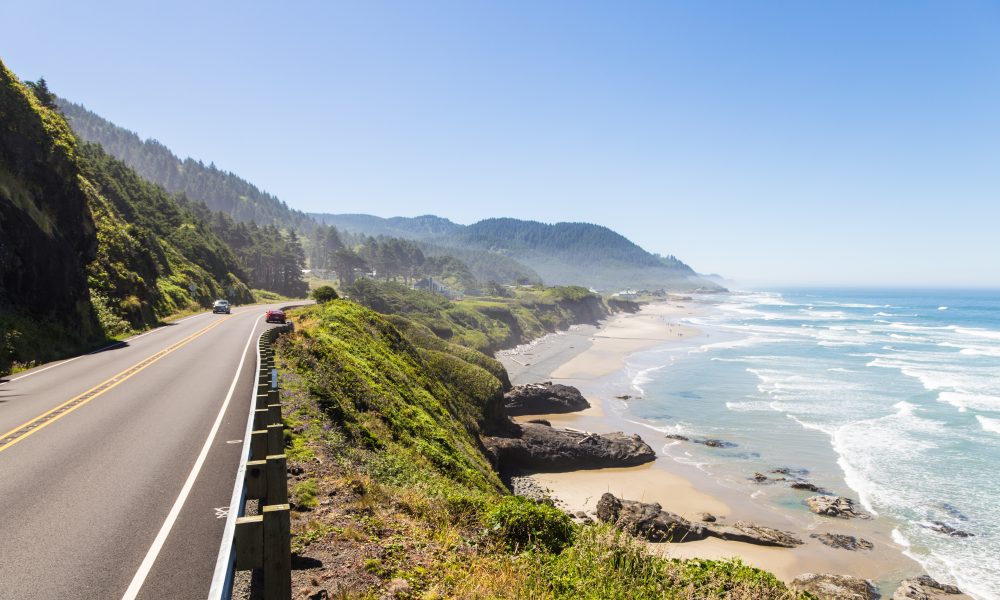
503, 250
562, 253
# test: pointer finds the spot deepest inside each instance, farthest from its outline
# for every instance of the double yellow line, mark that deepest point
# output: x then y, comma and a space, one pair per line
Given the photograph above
51, 416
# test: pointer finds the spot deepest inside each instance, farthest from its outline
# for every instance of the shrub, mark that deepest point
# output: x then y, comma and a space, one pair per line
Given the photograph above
324, 294
521, 523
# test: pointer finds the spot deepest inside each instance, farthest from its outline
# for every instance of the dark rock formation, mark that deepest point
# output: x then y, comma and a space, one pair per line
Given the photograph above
544, 398
749, 533
947, 529
650, 521
545, 422
836, 587
844, 542
535, 447
805, 485
677, 436
834, 506
707, 517
926, 588
715, 443
759, 477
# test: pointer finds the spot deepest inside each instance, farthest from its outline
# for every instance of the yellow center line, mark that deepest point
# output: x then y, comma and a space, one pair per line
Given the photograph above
51, 416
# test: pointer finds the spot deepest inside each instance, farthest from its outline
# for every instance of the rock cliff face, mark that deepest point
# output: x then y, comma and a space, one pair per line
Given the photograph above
47, 235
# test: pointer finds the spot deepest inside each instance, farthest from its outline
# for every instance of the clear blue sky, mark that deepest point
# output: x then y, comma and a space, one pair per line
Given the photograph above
785, 142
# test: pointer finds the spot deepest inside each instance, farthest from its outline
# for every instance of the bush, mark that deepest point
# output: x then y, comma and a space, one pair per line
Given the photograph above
521, 523
324, 294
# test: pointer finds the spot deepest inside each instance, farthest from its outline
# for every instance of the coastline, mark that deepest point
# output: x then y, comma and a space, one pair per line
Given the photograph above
593, 359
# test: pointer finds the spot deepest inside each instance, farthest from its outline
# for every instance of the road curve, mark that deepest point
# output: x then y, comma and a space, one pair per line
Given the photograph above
96, 450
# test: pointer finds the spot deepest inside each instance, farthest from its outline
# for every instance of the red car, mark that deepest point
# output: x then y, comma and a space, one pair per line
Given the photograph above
275, 316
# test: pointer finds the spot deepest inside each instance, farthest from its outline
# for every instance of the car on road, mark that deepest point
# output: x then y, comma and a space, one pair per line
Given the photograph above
275, 316
221, 306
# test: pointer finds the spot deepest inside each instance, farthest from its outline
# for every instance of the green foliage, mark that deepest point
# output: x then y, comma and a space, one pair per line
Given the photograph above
324, 293
522, 524
484, 324
607, 564
304, 494
155, 257
381, 391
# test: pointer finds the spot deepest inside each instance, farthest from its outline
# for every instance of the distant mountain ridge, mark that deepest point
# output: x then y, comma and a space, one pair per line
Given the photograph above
561, 253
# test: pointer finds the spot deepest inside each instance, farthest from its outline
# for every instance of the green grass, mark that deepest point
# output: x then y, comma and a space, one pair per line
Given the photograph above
398, 410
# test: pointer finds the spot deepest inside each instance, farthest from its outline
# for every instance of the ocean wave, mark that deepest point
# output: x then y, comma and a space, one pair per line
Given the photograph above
990, 334
751, 406
973, 350
965, 401
988, 424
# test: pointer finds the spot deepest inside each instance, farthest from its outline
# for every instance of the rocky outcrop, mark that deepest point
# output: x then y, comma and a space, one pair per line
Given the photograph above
749, 533
836, 587
834, 506
535, 447
843, 542
650, 521
926, 588
947, 529
544, 398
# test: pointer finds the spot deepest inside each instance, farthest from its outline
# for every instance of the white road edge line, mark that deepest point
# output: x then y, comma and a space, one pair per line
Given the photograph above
147, 563
221, 575
103, 348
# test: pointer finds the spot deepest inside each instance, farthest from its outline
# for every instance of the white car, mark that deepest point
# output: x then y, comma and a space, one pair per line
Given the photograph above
221, 306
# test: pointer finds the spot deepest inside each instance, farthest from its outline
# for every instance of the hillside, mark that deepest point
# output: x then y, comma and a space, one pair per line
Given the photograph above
221, 191
394, 494
47, 235
561, 254
88, 249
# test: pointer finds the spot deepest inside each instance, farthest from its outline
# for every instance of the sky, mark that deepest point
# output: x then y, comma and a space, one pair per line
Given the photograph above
775, 143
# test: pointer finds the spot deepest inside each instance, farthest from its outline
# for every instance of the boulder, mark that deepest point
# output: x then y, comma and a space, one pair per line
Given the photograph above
535, 447
543, 398
715, 443
947, 529
843, 542
805, 485
677, 436
648, 521
834, 506
748, 533
926, 588
707, 517
836, 587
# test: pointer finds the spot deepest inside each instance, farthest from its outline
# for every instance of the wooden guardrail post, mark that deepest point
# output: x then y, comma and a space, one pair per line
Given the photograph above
275, 439
249, 541
256, 480
277, 479
277, 552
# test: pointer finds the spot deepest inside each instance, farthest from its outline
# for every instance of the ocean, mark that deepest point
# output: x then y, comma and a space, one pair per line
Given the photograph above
889, 397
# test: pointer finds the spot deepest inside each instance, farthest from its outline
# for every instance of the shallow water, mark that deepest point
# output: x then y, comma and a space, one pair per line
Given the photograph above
891, 397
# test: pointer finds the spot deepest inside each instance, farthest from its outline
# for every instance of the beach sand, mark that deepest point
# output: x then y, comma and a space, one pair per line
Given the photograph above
586, 355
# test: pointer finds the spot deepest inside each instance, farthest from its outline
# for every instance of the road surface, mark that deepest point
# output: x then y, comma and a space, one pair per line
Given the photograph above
117, 468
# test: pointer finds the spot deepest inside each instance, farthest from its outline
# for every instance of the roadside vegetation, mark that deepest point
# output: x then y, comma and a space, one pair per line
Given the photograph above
394, 496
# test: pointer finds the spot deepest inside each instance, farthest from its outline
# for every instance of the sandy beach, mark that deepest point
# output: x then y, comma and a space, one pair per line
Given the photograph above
586, 357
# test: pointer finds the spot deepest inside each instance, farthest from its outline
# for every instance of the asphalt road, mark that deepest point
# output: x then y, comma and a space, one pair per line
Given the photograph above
95, 452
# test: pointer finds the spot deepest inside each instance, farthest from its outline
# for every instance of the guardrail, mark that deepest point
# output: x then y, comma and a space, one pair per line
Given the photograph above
260, 540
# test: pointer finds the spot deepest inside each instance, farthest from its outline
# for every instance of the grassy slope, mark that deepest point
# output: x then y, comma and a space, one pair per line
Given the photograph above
485, 324
395, 492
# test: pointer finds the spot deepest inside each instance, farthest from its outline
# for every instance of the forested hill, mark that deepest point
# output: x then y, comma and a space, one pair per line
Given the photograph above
220, 190
562, 254
414, 228
89, 249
